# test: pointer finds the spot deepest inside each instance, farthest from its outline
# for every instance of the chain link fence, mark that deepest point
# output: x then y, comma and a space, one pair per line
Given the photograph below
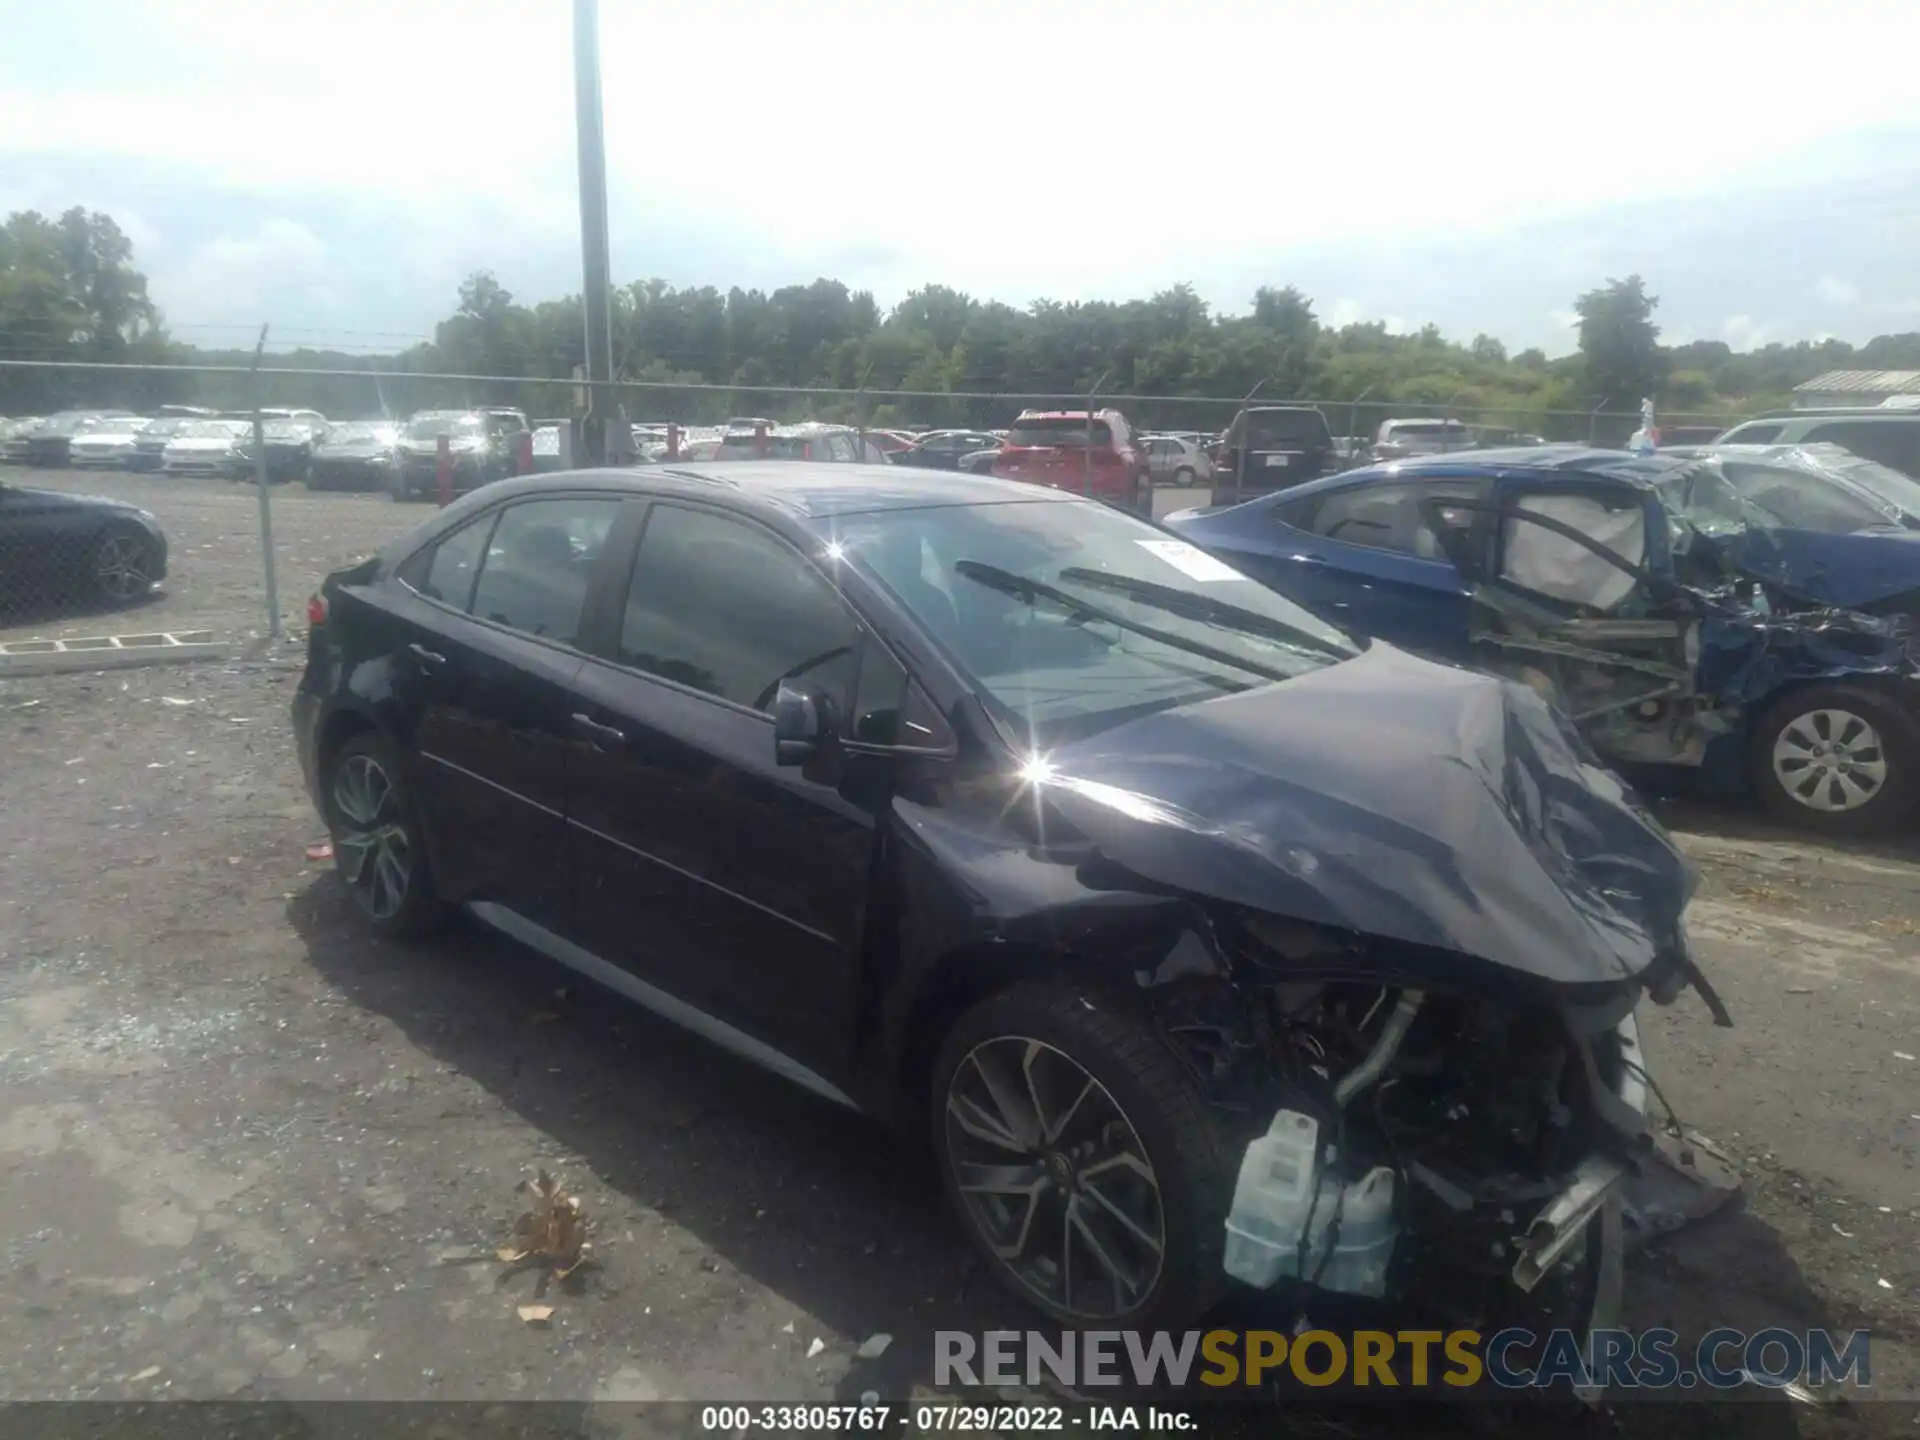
221, 508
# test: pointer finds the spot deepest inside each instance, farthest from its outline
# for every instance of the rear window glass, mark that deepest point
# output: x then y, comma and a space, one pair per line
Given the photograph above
1062, 431
1287, 427
1753, 435
1435, 430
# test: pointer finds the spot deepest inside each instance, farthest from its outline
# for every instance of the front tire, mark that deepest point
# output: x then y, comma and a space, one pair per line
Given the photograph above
377, 848
1838, 760
123, 567
1080, 1159
1184, 477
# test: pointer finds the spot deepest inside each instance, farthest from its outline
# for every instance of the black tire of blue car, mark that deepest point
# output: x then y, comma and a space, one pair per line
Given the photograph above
376, 839
1137, 1131
1840, 760
123, 565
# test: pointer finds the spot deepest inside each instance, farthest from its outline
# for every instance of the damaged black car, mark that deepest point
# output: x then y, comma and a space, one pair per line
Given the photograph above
1733, 618
1209, 947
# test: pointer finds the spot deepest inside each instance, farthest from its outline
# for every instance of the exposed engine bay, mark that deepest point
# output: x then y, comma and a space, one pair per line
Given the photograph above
1409, 1144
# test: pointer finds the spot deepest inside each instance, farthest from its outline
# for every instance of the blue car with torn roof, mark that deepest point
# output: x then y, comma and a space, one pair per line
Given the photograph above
1740, 612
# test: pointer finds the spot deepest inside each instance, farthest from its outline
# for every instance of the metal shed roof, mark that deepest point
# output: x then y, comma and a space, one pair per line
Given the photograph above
1862, 382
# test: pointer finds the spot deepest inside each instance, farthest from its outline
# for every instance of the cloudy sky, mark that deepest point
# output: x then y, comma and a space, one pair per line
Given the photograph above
337, 168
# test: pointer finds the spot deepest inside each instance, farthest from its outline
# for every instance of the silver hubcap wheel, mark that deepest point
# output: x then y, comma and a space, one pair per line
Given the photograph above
121, 568
1054, 1178
372, 850
1830, 760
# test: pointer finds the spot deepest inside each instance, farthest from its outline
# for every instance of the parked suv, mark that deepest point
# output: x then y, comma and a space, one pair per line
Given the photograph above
1050, 447
1271, 447
1887, 437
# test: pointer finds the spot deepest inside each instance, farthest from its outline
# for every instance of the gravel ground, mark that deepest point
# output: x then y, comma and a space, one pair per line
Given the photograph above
248, 1152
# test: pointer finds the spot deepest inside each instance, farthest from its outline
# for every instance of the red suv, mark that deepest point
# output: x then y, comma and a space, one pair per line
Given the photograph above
1049, 447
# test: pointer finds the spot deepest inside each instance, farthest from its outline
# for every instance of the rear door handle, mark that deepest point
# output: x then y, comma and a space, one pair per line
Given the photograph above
601, 737
429, 659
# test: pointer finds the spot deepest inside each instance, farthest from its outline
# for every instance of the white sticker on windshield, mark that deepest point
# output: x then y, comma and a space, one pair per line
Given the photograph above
1192, 563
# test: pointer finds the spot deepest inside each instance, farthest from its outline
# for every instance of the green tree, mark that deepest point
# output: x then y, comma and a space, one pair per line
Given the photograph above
1619, 342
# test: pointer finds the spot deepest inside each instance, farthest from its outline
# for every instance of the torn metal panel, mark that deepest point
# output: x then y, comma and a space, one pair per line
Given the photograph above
1746, 657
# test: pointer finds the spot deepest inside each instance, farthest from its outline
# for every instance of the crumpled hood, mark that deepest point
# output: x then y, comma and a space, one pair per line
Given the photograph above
1849, 571
1394, 797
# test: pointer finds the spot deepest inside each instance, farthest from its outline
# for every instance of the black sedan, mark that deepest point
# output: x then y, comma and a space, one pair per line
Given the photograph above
56, 547
943, 449
360, 455
1012, 818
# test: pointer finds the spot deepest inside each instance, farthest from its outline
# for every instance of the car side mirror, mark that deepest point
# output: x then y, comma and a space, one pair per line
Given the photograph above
803, 725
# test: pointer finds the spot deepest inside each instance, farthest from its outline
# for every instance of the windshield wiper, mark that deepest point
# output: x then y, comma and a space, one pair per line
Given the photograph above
1035, 591
1206, 608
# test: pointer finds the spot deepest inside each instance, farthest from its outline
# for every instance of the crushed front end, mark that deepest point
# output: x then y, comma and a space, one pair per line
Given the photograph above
1457, 1153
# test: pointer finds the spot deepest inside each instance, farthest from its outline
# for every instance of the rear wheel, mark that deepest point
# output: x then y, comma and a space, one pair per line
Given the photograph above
1837, 759
1184, 477
376, 839
1081, 1159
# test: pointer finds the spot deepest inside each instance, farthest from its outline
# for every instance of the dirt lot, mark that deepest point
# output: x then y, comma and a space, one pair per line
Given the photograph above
247, 1151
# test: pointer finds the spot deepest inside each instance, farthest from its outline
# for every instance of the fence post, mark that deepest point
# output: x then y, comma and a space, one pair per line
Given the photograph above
1593, 422
860, 413
443, 470
263, 487
1086, 458
523, 453
673, 440
760, 439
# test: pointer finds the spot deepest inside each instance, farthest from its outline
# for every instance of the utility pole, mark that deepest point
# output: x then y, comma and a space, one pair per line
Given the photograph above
597, 293
262, 484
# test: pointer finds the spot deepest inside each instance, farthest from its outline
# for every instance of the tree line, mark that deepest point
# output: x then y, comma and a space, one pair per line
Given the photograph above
70, 290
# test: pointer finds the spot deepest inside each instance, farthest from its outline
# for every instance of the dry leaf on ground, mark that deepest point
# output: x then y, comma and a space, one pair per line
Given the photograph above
553, 1232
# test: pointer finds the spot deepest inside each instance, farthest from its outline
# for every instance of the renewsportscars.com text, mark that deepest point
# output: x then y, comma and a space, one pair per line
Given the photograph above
1514, 1359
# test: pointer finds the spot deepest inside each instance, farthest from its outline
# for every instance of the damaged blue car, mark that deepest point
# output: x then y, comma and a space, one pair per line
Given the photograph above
1741, 613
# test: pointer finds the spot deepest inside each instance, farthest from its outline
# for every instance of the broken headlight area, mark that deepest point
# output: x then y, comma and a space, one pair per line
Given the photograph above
1453, 1154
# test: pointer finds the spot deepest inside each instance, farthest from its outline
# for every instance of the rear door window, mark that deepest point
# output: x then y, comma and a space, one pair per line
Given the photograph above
1752, 435
1390, 517
539, 562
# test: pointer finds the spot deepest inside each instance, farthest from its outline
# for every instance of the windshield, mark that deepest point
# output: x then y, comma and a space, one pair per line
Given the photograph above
211, 430
361, 432
1882, 482
431, 427
1073, 617
1058, 430
1805, 498
1430, 430
165, 428
296, 430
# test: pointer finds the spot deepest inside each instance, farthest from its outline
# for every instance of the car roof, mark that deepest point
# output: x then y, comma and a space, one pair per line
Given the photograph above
1873, 414
802, 489
1566, 461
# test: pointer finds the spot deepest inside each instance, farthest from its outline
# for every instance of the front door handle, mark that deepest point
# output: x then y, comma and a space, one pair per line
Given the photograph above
429, 659
601, 737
